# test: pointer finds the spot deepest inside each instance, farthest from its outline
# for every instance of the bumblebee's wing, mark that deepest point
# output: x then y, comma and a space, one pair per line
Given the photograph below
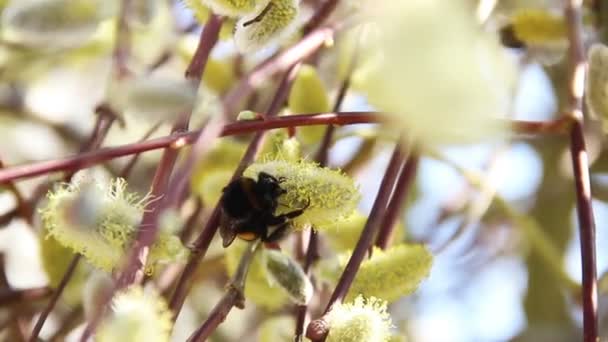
228, 229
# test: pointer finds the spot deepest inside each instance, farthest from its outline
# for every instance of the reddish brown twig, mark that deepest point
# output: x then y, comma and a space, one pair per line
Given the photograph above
178, 140
234, 297
580, 165
207, 41
320, 15
56, 294
23, 208
9, 296
281, 62
88, 159
126, 171
365, 241
395, 205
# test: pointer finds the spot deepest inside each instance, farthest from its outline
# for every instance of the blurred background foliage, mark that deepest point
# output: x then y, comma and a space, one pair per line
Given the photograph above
492, 280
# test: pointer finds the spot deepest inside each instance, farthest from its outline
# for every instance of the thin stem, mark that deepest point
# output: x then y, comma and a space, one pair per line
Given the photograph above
234, 296
395, 205
365, 241
56, 294
126, 171
23, 208
9, 296
580, 164
207, 41
281, 62
312, 252
122, 47
204, 240
320, 15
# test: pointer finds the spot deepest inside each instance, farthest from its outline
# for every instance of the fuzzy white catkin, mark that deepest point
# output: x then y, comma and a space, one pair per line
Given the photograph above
266, 25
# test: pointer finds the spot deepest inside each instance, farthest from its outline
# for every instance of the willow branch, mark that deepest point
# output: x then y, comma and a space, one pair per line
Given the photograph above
56, 294
365, 241
179, 140
580, 164
395, 205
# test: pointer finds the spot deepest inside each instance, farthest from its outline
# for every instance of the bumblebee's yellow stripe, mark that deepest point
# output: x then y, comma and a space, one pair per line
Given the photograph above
247, 236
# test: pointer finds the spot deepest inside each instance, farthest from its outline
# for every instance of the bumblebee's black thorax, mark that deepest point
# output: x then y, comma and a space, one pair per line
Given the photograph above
245, 197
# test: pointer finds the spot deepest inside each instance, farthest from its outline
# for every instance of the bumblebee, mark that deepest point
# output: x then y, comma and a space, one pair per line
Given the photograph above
247, 210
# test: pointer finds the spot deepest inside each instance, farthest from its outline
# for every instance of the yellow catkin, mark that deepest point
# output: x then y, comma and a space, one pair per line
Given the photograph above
109, 226
365, 319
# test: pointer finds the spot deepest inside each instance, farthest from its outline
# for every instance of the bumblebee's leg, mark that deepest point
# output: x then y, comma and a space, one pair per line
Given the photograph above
279, 233
292, 214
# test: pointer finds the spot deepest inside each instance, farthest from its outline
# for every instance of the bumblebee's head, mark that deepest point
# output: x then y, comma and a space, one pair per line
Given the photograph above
269, 185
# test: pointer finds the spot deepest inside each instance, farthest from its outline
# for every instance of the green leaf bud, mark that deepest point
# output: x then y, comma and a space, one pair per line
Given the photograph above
309, 95
362, 320
137, 316
331, 195
267, 24
257, 288
103, 235
289, 276
247, 115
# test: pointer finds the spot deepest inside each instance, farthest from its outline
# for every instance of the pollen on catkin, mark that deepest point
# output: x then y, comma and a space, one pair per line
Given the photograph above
267, 24
365, 319
102, 229
331, 194
392, 273
137, 316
